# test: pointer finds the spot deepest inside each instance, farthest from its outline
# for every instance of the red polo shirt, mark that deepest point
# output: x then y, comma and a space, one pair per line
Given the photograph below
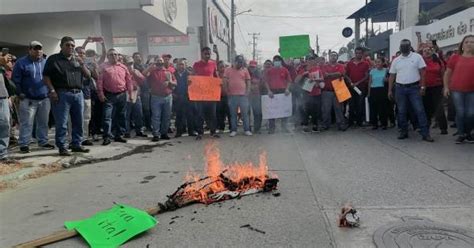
433, 76
208, 69
277, 78
331, 69
157, 79
312, 75
357, 71
462, 79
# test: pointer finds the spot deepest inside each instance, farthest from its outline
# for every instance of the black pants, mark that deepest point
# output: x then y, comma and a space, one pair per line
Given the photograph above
185, 113
312, 109
206, 111
357, 107
379, 106
433, 103
97, 110
222, 113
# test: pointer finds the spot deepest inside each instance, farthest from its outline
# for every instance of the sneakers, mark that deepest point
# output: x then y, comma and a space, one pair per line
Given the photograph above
120, 139
24, 149
460, 139
233, 134
47, 146
141, 134
80, 149
155, 139
106, 142
87, 143
248, 133
165, 137
64, 152
127, 136
199, 137
215, 135
469, 139
428, 139
315, 130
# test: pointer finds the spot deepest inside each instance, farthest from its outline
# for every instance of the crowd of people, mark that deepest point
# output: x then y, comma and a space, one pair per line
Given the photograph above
85, 95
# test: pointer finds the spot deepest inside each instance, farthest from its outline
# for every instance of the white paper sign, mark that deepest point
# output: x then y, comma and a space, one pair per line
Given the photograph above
308, 85
367, 110
357, 90
279, 106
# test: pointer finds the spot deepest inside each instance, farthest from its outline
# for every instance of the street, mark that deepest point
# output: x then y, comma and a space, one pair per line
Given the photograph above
384, 178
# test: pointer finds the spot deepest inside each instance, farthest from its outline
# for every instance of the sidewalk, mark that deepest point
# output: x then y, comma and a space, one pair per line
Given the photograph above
40, 162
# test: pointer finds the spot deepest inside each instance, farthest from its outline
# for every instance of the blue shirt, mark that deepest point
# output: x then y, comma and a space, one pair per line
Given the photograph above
182, 83
378, 77
28, 77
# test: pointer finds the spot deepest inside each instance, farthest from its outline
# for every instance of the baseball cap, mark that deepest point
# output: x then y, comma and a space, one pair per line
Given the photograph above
253, 63
35, 43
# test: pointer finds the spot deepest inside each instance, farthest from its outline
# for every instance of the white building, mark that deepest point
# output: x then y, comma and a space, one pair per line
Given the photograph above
452, 20
208, 25
48, 20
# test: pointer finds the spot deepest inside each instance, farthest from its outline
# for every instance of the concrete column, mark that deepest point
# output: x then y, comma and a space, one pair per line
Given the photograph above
357, 32
142, 43
103, 27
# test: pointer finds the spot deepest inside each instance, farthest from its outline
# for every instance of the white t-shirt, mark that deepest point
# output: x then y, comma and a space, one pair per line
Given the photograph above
407, 68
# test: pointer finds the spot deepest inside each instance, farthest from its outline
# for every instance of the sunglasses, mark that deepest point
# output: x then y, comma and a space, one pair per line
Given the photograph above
36, 48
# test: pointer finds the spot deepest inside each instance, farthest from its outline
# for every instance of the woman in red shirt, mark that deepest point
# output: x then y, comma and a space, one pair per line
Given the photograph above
459, 81
433, 97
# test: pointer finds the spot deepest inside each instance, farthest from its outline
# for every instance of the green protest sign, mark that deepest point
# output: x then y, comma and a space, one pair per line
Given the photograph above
113, 227
294, 46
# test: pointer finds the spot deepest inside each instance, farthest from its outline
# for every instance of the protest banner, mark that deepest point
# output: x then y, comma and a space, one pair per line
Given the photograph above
341, 90
204, 88
112, 227
295, 46
308, 85
279, 106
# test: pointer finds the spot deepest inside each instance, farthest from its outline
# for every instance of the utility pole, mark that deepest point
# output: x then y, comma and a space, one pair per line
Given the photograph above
366, 24
317, 44
232, 34
254, 44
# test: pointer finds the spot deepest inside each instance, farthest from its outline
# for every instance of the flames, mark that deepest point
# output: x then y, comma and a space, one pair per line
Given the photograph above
236, 178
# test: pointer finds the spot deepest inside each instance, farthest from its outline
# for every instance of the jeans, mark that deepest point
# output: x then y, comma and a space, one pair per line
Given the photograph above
379, 106
160, 114
184, 115
256, 105
69, 104
4, 127
312, 109
433, 103
357, 107
236, 102
206, 111
410, 97
87, 118
222, 113
134, 116
464, 104
328, 103
34, 111
115, 108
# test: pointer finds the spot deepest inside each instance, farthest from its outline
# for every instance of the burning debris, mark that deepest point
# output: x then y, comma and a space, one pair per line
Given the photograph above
349, 217
221, 182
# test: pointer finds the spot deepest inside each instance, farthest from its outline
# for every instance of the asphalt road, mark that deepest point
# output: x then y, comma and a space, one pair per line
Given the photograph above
384, 178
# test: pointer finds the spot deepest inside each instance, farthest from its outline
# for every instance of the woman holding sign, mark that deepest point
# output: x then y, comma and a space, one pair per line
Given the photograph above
278, 81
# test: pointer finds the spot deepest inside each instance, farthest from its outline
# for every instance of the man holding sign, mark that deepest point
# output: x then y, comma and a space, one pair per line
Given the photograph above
332, 71
277, 81
206, 109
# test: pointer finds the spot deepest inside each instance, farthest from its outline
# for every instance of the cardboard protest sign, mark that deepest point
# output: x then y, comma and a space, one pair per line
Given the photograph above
279, 106
308, 85
341, 90
112, 227
295, 46
204, 88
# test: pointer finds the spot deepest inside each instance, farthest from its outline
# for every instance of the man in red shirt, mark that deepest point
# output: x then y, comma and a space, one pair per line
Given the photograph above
237, 87
277, 81
207, 109
357, 71
168, 65
162, 83
331, 71
112, 87
312, 73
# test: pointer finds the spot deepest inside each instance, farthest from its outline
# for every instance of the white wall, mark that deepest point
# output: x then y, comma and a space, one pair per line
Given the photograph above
452, 23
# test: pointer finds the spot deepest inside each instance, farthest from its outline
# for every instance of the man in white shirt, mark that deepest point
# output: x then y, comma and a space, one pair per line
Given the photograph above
406, 72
